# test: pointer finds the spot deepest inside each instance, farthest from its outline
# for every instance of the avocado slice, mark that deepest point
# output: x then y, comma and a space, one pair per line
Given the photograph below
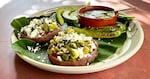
71, 17
60, 11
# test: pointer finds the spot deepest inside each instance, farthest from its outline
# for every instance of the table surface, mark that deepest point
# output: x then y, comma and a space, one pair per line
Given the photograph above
12, 67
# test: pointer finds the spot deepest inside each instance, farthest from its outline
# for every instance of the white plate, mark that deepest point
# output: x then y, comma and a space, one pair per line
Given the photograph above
131, 46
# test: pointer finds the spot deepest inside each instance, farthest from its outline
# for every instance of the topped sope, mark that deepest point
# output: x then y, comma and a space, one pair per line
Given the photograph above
70, 48
40, 29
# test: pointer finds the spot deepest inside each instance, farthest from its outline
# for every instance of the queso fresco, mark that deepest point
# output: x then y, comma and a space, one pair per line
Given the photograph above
98, 14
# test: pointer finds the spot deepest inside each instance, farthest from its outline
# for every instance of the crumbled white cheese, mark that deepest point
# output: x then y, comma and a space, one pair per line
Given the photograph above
43, 60
32, 24
59, 52
63, 49
81, 53
93, 46
38, 57
109, 42
28, 30
33, 49
87, 55
34, 33
61, 33
29, 48
59, 58
48, 21
36, 49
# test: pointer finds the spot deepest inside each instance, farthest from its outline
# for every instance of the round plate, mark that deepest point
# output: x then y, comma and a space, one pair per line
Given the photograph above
131, 46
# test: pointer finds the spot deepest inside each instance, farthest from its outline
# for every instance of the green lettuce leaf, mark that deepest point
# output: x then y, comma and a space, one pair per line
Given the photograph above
20, 47
18, 23
108, 47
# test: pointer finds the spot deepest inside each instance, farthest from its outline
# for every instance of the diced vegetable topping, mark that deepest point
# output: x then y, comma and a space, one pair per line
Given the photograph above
71, 46
38, 27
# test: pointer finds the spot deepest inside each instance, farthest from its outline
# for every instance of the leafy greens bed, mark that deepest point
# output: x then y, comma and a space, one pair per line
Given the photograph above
107, 46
